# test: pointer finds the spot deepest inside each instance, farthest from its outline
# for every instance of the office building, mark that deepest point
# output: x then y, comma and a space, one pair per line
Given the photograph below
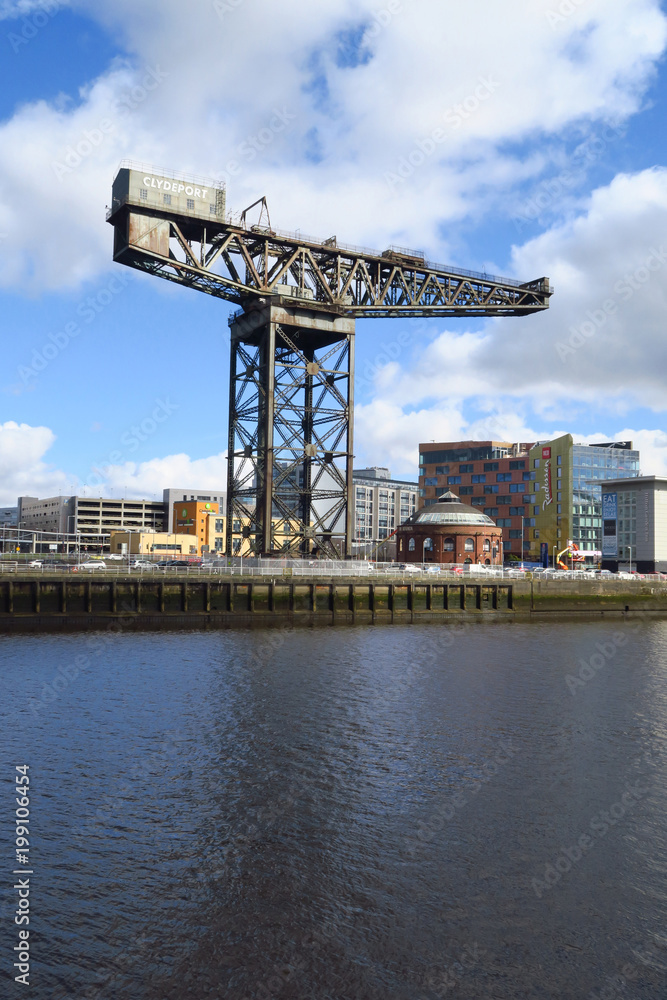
178, 494
203, 520
634, 524
541, 495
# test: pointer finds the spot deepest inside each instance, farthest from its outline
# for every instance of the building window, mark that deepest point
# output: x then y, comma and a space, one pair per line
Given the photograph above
526, 477
469, 545
517, 511
191, 204
536, 533
559, 460
448, 545
453, 480
466, 468
441, 470
517, 465
490, 489
515, 533
487, 545
536, 463
167, 199
431, 481
491, 466
143, 194
428, 545
211, 209
478, 479
411, 545
558, 510
517, 488
466, 491
491, 511
504, 477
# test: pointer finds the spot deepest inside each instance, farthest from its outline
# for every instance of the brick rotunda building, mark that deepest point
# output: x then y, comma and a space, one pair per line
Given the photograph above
449, 531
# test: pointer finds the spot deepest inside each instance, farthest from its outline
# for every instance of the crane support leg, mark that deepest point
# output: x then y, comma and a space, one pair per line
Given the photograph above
291, 408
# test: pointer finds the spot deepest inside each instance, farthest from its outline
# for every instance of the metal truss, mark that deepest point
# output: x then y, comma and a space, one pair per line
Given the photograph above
238, 262
290, 434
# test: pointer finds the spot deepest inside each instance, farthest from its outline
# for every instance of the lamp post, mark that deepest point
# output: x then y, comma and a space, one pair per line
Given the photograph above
553, 557
522, 520
630, 555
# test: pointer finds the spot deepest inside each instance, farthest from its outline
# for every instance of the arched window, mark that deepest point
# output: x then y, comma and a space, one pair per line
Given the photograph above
468, 561
470, 545
487, 545
411, 545
428, 545
487, 562
448, 545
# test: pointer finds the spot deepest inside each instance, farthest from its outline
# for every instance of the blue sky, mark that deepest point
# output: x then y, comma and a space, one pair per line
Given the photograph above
552, 161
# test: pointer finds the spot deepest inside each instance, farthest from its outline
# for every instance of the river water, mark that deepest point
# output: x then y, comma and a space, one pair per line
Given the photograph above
474, 811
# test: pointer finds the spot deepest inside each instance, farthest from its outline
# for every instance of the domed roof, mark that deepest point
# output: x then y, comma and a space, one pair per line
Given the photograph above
450, 509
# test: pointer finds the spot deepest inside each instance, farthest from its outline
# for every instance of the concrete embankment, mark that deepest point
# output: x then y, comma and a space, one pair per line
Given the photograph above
65, 602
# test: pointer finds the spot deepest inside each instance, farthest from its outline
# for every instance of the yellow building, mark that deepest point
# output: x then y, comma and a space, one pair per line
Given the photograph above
144, 543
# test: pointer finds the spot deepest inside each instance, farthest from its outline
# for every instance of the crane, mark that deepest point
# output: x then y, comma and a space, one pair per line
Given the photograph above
291, 389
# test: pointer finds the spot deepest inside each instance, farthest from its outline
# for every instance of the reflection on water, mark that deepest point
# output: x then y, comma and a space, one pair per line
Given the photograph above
351, 813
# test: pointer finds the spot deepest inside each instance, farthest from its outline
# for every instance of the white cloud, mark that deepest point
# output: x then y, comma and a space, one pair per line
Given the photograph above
23, 471
150, 478
353, 122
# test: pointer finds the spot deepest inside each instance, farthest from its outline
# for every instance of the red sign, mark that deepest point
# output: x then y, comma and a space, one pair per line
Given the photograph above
546, 453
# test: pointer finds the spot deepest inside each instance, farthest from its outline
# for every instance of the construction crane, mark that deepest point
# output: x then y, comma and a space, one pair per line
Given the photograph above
291, 391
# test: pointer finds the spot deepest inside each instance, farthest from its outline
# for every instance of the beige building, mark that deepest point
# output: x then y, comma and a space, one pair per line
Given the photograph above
153, 543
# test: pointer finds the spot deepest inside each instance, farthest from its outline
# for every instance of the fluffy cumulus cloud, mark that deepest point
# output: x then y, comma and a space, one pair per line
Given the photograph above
600, 348
24, 470
383, 119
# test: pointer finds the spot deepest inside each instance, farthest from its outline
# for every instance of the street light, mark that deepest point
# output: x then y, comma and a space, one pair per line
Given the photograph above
553, 557
522, 520
630, 554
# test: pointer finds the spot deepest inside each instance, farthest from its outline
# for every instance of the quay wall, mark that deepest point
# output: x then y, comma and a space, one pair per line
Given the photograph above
28, 603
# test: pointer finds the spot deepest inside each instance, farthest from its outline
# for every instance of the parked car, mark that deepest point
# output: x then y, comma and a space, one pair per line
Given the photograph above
143, 564
89, 566
433, 569
36, 564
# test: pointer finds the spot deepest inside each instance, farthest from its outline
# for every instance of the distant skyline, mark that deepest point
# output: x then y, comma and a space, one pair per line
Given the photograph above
520, 142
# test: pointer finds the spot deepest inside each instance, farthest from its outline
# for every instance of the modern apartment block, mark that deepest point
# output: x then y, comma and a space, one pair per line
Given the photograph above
381, 504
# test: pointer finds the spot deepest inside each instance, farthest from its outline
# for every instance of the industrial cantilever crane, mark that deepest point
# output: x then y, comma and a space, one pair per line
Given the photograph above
292, 342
